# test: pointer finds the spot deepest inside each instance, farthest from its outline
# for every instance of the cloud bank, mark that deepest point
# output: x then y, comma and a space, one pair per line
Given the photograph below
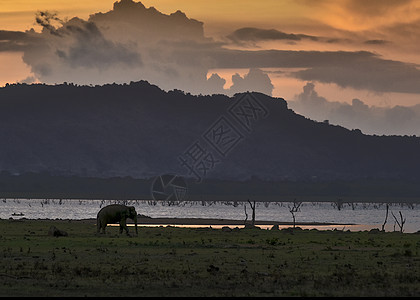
132, 42
247, 34
128, 43
397, 120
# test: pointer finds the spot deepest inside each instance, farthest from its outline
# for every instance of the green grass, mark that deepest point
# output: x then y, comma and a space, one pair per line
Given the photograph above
171, 261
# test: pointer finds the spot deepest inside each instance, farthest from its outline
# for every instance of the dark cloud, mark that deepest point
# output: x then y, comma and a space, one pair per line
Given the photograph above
252, 35
12, 35
376, 42
90, 49
286, 58
358, 70
16, 40
76, 52
366, 72
397, 120
47, 20
146, 25
257, 34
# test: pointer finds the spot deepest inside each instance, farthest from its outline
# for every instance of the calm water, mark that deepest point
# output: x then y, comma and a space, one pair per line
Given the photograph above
364, 215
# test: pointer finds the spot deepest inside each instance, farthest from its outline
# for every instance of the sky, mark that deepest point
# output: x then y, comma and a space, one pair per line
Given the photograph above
353, 62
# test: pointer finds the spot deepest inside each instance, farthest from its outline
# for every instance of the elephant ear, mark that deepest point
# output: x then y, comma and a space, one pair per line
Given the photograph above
126, 212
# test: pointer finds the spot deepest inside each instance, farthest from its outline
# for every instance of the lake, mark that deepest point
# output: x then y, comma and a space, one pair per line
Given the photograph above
364, 216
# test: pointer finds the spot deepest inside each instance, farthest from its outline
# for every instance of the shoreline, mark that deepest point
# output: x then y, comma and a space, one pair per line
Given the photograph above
205, 221
220, 223
193, 221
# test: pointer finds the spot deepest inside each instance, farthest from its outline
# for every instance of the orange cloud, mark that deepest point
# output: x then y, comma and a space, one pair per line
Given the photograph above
356, 15
16, 68
20, 14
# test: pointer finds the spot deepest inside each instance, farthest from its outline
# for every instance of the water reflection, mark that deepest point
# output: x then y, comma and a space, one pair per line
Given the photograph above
366, 215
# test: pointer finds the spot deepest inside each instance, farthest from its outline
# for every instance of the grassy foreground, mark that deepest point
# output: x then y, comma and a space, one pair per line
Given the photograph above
170, 261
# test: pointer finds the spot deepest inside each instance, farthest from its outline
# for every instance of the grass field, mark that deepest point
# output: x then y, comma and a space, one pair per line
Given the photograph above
172, 261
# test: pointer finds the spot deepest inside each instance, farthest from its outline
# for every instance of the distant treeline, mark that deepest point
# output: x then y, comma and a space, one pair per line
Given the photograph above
44, 185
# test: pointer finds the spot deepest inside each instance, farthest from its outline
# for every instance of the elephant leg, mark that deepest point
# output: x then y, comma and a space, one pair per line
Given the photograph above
123, 226
100, 227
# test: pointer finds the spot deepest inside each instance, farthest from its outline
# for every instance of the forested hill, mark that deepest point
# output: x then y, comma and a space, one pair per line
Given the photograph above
141, 131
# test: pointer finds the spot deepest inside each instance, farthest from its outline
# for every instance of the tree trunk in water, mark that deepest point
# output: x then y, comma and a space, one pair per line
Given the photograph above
386, 217
253, 212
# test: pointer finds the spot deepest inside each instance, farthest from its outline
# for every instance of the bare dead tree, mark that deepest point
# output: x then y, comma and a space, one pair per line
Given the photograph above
400, 223
293, 210
253, 212
386, 217
246, 215
339, 204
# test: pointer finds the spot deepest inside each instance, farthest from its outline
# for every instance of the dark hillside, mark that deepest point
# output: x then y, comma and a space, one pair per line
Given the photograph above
139, 130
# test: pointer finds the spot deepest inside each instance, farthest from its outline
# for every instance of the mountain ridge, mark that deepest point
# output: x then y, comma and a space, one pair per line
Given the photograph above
141, 131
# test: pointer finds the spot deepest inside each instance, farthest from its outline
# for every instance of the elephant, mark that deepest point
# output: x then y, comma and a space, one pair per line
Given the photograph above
116, 213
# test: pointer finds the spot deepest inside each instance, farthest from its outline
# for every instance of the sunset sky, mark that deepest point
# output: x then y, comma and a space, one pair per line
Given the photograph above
335, 55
